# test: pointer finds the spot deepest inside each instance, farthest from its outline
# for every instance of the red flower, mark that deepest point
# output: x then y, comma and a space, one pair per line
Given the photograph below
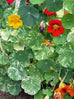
48, 13
55, 27
10, 1
27, 2
66, 12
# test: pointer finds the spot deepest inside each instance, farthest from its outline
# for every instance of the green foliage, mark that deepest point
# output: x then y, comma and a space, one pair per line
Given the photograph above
34, 40
52, 77
45, 53
28, 12
4, 59
22, 56
69, 5
7, 85
68, 21
38, 95
30, 85
25, 63
16, 71
66, 56
45, 65
36, 1
61, 39
54, 5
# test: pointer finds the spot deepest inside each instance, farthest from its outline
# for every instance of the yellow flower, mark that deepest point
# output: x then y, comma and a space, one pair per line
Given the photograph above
14, 21
46, 42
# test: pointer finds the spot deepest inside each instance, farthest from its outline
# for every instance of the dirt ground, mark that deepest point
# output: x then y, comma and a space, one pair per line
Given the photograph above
22, 95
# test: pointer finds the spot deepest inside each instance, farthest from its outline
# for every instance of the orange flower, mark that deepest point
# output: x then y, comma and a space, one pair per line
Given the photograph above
66, 12
71, 90
14, 21
63, 89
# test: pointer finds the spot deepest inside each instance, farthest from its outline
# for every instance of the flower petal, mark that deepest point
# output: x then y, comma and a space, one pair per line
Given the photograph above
56, 21
11, 17
56, 33
50, 29
10, 23
61, 29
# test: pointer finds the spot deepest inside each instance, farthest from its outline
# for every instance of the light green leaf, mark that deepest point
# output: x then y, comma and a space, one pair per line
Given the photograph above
16, 71
69, 5
45, 53
52, 77
68, 21
34, 40
36, 1
4, 34
66, 56
4, 59
19, 46
7, 85
36, 73
61, 39
30, 85
70, 37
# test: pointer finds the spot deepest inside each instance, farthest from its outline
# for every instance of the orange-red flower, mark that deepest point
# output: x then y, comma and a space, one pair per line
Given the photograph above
55, 27
27, 2
10, 1
14, 21
66, 12
71, 90
48, 13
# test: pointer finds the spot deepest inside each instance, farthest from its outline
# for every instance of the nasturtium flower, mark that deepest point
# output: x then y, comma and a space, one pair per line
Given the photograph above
48, 13
14, 21
46, 42
71, 91
66, 12
10, 1
27, 2
55, 27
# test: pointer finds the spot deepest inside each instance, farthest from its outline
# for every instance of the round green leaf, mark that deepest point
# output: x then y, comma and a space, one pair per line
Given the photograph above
35, 72
45, 53
44, 65
7, 85
66, 56
70, 37
34, 40
61, 39
4, 59
69, 5
30, 85
28, 14
14, 87
22, 56
54, 5
68, 21
36, 1
16, 71
39, 95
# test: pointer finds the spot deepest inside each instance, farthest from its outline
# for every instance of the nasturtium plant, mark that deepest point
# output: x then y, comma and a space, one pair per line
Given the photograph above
37, 48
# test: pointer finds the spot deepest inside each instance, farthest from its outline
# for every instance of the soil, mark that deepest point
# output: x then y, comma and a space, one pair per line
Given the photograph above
22, 95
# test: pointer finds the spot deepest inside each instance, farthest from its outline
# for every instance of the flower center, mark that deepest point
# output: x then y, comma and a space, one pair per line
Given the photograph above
55, 26
14, 19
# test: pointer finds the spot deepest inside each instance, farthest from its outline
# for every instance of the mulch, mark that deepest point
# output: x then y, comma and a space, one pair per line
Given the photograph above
22, 95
